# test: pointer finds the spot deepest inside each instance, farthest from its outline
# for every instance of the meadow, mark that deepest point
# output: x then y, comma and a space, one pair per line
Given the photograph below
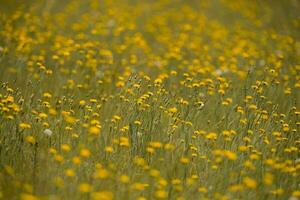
167, 99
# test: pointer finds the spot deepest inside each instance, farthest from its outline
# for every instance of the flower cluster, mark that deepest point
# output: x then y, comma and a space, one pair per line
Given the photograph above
166, 99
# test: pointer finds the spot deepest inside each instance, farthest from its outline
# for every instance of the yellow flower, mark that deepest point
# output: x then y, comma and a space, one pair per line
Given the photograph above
85, 188
24, 126
82, 102
85, 153
70, 172
70, 119
47, 95
25, 196
139, 186
137, 122
161, 194
278, 191
124, 141
30, 139
93, 100
243, 148
211, 136
249, 182
268, 179
124, 179
173, 110
150, 150
176, 181
139, 161
9, 99
101, 174
116, 118
296, 193
184, 160
76, 160
102, 195
230, 155
65, 147
94, 130
58, 158
202, 190
52, 111
236, 188
109, 149
155, 144
253, 107
154, 173
120, 84
141, 198
158, 81
43, 115
169, 146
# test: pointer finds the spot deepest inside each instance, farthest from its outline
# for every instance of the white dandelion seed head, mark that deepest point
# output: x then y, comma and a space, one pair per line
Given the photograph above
139, 134
293, 198
201, 95
48, 132
219, 72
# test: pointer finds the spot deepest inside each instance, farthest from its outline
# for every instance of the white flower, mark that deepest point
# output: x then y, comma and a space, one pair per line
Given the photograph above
293, 198
48, 132
219, 72
139, 134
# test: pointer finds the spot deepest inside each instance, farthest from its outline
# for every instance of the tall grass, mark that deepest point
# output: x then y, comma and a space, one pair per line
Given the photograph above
149, 100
